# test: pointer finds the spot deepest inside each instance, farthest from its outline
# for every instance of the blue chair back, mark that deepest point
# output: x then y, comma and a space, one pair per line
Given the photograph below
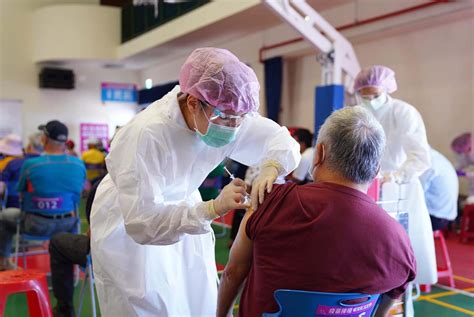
318, 304
49, 203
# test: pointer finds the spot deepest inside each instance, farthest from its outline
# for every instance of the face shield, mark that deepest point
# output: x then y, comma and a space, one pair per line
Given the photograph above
224, 119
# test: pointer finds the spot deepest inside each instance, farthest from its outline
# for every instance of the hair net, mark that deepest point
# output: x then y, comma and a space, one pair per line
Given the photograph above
376, 76
462, 144
218, 77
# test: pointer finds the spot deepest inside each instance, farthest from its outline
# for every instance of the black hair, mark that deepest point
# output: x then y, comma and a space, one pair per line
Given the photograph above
305, 136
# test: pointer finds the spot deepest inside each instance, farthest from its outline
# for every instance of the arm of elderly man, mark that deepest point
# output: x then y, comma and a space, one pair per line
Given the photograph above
236, 271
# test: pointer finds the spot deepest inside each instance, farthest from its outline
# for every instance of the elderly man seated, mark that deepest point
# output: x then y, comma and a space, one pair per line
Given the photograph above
327, 236
51, 173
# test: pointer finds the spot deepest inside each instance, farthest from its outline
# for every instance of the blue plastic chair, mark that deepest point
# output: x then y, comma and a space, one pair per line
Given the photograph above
88, 278
45, 203
318, 304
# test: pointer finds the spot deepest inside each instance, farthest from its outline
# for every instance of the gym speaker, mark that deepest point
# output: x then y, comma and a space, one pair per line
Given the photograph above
56, 78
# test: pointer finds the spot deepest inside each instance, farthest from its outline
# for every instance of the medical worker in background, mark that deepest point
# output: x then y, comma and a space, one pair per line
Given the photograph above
152, 241
462, 147
406, 157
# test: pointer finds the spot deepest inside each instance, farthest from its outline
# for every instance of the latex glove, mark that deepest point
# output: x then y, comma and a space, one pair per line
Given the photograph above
392, 177
263, 182
231, 197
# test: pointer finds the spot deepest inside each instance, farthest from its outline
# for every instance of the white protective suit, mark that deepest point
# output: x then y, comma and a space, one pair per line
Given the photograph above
408, 154
152, 246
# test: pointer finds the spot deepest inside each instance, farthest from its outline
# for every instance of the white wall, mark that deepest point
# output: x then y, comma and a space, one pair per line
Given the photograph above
82, 104
76, 31
19, 77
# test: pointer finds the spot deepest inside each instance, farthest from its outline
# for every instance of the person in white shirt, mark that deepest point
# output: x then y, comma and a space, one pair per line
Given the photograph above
301, 174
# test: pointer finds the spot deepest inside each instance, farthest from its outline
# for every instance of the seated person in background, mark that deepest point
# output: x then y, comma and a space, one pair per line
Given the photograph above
54, 172
65, 250
441, 187
301, 175
11, 173
94, 160
10, 148
328, 236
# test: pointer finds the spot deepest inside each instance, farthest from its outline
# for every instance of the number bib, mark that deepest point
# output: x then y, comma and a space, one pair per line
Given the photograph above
41, 203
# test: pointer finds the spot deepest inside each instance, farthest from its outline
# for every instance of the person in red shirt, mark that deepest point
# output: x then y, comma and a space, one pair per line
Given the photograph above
327, 236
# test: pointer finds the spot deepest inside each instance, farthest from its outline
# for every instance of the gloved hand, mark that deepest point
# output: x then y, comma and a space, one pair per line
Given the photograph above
394, 177
263, 182
231, 197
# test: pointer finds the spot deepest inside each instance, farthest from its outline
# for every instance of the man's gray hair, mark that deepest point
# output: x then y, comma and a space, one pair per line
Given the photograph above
354, 143
35, 141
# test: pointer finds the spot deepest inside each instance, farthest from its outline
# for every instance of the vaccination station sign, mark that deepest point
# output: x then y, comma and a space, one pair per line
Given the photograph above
117, 92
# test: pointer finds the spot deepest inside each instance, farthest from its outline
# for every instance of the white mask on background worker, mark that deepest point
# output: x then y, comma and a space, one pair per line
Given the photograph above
374, 103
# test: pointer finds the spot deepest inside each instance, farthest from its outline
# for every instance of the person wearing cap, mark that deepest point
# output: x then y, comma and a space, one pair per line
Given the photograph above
10, 148
406, 158
94, 160
11, 173
151, 237
54, 172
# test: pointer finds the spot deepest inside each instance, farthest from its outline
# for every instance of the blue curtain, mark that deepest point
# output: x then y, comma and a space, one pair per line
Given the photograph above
273, 86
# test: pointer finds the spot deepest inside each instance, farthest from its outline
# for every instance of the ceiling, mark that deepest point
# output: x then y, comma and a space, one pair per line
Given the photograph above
256, 19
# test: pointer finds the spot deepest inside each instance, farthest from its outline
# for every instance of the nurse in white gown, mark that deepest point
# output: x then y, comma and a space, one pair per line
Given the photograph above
152, 242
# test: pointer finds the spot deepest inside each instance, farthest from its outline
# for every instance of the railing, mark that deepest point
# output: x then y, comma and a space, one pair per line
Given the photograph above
137, 20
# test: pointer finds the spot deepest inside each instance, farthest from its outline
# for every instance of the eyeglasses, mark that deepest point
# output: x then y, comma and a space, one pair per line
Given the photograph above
222, 118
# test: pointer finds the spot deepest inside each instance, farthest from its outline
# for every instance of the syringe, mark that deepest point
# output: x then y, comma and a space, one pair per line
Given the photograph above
232, 177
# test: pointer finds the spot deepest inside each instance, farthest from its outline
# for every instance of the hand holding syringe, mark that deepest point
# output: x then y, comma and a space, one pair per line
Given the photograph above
247, 196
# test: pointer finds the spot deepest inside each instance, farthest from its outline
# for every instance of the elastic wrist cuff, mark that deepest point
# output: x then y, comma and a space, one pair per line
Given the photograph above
212, 210
274, 164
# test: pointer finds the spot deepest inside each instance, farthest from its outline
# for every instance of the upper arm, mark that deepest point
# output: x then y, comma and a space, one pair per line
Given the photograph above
414, 138
242, 248
262, 139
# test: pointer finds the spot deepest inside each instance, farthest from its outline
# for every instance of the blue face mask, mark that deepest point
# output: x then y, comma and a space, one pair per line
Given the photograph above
217, 135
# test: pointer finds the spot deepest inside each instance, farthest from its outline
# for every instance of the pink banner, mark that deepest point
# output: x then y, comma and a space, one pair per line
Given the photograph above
98, 131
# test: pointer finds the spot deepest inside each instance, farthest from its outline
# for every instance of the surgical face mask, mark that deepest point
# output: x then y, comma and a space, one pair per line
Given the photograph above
217, 135
376, 103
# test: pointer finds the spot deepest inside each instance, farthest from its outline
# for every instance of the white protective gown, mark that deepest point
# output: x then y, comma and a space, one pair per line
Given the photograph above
408, 153
152, 247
